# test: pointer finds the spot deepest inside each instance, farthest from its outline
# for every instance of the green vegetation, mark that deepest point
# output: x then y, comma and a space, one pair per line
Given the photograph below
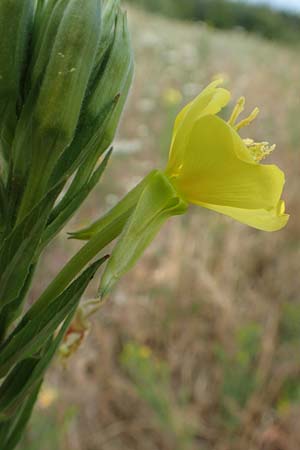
227, 14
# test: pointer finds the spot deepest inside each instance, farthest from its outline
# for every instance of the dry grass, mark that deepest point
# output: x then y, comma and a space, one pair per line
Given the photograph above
216, 303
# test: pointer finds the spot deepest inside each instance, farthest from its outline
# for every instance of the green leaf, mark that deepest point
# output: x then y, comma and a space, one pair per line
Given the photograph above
3, 202
69, 204
87, 142
12, 310
27, 374
11, 430
32, 332
19, 248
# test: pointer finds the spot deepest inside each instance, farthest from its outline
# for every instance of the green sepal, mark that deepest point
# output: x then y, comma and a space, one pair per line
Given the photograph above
158, 201
117, 216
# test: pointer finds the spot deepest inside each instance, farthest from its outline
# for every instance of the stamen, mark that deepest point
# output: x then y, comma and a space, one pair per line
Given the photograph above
237, 111
259, 150
248, 120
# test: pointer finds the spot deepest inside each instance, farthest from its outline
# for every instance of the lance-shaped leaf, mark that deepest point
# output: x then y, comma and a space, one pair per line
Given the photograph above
157, 203
66, 208
104, 140
16, 17
14, 309
110, 11
18, 249
32, 332
11, 430
27, 374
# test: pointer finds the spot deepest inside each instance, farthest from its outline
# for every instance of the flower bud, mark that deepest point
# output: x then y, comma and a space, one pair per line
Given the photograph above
110, 12
67, 74
112, 76
113, 80
52, 111
108, 92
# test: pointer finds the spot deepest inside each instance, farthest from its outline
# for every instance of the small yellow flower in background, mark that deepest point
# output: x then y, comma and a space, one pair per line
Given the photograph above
172, 97
47, 397
212, 166
145, 352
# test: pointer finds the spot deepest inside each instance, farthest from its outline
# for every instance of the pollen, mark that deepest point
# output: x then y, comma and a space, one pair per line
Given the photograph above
259, 150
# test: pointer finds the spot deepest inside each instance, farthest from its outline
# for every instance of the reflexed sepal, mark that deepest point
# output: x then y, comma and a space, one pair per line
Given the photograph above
158, 201
117, 217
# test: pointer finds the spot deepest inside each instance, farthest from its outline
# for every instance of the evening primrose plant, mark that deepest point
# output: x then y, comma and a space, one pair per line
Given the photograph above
66, 67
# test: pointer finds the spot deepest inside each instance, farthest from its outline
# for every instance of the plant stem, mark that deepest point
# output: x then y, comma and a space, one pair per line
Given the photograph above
77, 263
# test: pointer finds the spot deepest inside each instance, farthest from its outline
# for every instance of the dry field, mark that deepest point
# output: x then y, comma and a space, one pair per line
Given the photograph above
198, 347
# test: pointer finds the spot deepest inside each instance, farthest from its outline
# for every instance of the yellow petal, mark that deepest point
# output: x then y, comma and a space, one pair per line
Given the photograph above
209, 102
261, 219
213, 172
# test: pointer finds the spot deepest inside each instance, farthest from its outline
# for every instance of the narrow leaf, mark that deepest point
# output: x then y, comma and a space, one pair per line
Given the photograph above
14, 428
18, 249
70, 203
32, 332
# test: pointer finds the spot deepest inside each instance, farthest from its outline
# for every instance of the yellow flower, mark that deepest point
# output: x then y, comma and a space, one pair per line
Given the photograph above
172, 97
212, 166
47, 397
145, 352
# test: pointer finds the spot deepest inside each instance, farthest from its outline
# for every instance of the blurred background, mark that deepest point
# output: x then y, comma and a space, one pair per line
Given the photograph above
198, 347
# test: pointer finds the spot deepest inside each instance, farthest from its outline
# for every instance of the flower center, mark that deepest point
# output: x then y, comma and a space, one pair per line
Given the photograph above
257, 150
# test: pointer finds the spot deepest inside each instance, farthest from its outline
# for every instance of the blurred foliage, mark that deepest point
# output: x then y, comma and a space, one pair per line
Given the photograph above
152, 380
49, 426
290, 323
226, 14
239, 372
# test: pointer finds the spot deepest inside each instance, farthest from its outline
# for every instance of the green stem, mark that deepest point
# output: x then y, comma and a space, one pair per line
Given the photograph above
78, 262
104, 232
